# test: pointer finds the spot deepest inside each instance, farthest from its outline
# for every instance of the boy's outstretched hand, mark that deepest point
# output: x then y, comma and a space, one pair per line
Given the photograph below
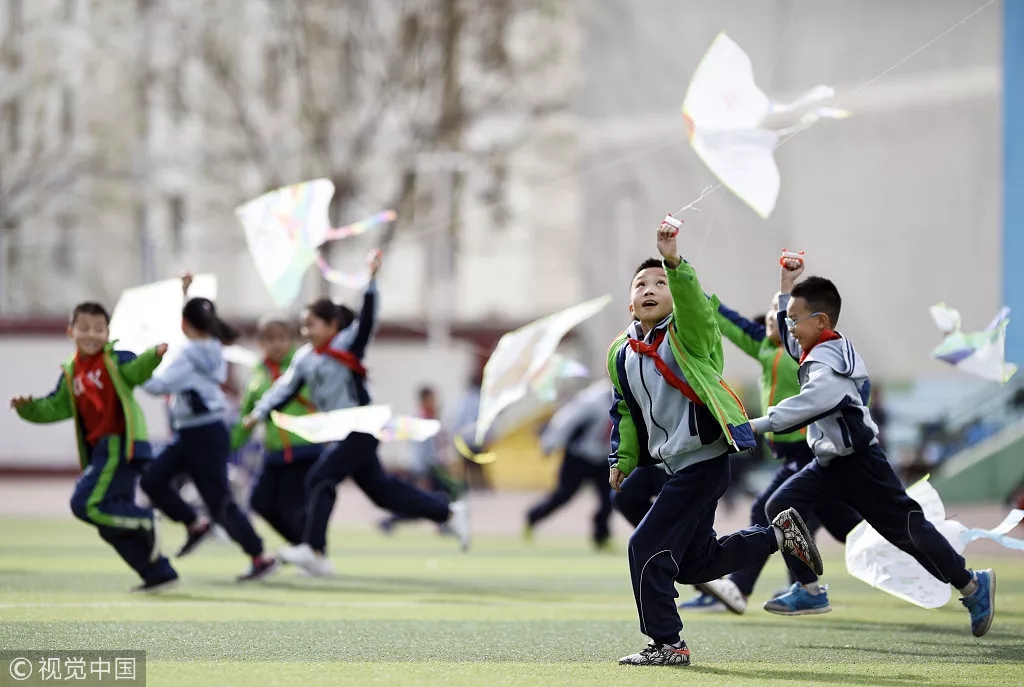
791, 271
161, 350
615, 477
373, 260
186, 282
19, 401
667, 245
249, 421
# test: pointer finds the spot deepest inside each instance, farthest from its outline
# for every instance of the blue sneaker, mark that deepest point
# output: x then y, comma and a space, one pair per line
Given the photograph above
799, 601
703, 602
982, 603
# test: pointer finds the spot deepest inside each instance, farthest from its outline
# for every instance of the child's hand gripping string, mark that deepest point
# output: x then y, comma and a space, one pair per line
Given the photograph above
792, 267
20, 401
373, 261
186, 282
667, 241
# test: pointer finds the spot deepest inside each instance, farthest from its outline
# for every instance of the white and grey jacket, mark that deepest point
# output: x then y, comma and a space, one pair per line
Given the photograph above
832, 403
582, 427
193, 379
679, 433
332, 385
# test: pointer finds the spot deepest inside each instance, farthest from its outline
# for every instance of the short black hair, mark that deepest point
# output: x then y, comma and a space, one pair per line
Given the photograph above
647, 264
759, 318
821, 296
201, 313
331, 312
89, 308
425, 392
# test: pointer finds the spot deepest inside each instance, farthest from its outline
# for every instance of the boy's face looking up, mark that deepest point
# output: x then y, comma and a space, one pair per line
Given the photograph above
805, 324
90, 333
650, 300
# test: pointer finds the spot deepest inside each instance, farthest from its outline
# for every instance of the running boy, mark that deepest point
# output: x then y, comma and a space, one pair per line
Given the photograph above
279, 495
201, 445
761, 341
850, 468
331, 364
580, 428
95, 390
672, 409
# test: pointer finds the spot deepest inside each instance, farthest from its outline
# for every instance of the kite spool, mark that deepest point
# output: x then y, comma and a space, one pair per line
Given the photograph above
673, 222
790, 255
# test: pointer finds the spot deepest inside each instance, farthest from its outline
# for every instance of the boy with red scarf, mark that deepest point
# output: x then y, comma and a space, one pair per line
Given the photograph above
95, 390
850, 467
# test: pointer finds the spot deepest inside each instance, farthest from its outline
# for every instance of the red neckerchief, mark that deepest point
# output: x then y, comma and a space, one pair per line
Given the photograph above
346, 358
276, 371
651, 351
826, 335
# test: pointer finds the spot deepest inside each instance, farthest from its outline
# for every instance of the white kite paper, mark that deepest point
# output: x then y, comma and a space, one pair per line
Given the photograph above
336, 425
320, 428
724, 112
872, 559
545, 383
149, 315
522, 355
240, 355
980, 353
284, 229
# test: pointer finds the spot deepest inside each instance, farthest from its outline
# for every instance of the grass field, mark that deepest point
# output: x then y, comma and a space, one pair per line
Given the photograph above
410, 610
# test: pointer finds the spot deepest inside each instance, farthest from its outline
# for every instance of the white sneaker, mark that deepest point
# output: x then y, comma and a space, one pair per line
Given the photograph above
459, 523
726, 591
154, 551
304, 557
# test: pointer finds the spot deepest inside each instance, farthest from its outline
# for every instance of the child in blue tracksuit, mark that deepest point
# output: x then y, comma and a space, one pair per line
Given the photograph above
580, 428
849, 467
201, 445
332, 368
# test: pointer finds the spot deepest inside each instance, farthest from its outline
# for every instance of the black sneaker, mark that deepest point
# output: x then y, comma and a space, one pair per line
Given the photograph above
158, 585
261, 567
659, 655
195, 538
797, 540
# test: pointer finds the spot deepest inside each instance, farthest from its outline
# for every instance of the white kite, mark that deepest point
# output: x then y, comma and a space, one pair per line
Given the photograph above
724, 112
336, 425
285, 229
545, 384
872, 559
149, 315
980, 353
520, 358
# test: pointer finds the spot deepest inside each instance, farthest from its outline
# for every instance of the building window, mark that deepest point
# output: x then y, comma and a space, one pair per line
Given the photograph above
176, 212
64, 251
67, 114
12, 124
177, 92
273, 59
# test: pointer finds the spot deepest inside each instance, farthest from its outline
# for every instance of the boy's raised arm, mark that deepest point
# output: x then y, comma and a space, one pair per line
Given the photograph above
690, 305
137, 370
53, 408
746, 334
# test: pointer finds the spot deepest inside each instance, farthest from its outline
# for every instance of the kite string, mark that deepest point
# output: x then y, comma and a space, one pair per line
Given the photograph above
802, 127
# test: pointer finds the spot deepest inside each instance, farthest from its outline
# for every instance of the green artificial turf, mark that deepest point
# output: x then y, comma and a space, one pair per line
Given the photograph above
411, 610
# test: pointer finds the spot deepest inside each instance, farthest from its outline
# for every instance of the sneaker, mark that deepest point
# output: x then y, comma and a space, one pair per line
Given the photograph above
262, 567
160, 584
703, 602
797, 540
387, 525
459, 522
799, 601
154, 539
303, 556
726, 591
195, 537
982, 603
659, 655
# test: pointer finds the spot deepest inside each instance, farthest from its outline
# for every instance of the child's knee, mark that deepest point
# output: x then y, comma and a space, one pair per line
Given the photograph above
80, 505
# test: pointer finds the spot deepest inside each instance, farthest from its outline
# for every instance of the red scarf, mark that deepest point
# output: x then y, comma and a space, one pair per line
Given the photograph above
826, 335
651, 351
346, 358
276, 371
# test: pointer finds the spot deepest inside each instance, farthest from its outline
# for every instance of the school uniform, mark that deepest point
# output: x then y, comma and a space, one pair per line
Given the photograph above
201, 445
673, 410
336, 379
850, 467
113, 446
581, 428
279, 494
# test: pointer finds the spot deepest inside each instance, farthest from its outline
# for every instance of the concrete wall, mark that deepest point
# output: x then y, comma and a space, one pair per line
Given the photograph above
899, 205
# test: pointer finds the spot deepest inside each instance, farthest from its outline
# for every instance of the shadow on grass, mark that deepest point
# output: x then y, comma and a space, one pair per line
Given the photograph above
811, 676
